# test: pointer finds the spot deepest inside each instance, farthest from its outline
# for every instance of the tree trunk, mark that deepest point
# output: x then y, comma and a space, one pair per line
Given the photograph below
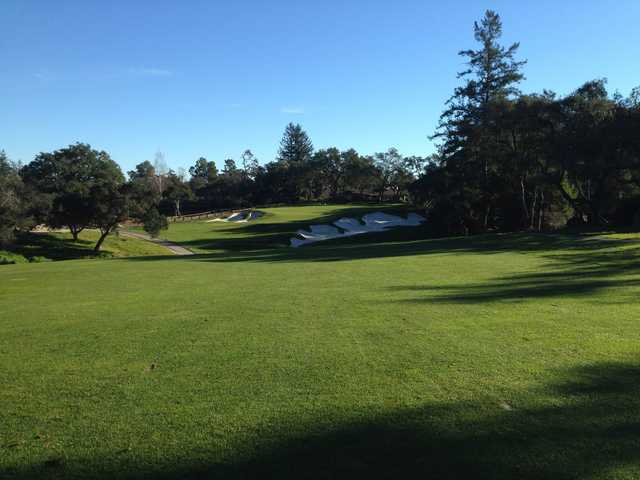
533, 209
541, 212
335, 185
486, 216
103, 236
75, 231
525, 209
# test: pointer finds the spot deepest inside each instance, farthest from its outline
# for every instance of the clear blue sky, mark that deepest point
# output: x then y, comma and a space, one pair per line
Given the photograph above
212, 78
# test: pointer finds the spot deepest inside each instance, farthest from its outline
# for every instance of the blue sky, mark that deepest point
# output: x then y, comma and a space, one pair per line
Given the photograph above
212, 78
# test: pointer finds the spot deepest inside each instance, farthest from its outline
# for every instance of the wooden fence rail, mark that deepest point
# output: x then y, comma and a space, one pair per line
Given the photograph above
204, 215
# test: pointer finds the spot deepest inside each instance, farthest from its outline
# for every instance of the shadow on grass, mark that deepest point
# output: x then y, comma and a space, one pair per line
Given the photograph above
52, 247
584, 425
264, 234
401, 242
266, 240
569, 264
573, 271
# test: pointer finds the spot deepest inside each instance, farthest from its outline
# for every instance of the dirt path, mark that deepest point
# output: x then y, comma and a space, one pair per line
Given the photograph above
176, 249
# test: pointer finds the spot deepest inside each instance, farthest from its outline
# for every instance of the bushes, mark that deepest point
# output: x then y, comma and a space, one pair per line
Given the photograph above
10, 258
153, 222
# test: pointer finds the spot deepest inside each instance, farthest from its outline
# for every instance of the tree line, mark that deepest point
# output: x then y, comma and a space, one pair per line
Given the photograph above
509, 161
78, 187
505, 161
299, 174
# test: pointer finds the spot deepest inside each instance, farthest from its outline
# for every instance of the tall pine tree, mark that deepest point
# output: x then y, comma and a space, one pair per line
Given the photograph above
471, 125
295, 146
294, 156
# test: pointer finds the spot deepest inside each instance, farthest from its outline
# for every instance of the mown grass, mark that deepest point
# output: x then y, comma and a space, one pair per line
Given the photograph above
272, 231
385, 356
60, 246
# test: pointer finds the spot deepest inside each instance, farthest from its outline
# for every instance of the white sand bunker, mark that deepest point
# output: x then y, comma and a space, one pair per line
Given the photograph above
240, 217
347, 227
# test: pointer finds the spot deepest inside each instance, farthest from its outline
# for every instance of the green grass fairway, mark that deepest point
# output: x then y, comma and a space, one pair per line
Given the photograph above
384, 356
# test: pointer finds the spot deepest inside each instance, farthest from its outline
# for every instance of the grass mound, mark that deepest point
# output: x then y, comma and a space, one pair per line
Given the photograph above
39, 247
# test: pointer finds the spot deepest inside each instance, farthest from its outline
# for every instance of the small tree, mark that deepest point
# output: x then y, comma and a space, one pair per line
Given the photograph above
250, 164
154, 222
161, 170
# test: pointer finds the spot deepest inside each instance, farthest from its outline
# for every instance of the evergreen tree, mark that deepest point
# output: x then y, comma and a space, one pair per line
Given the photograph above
294, 155
471, 125
296, 146
493, 69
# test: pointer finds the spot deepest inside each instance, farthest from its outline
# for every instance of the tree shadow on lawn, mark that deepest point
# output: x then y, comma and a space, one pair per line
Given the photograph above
53, 247
572, 274
262, 244
585, 424
571, 264
265, 240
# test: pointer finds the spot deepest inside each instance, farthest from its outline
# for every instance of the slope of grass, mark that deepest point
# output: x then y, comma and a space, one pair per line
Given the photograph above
60, 246
271, 231
387, 356
9, 258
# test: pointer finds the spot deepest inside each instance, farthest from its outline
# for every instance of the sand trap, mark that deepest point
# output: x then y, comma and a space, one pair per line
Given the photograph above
236, 217
347, 227
253, 215
351, 225
240, 217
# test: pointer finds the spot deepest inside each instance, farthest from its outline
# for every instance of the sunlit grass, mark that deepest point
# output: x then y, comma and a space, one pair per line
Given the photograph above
387, 356
60, 246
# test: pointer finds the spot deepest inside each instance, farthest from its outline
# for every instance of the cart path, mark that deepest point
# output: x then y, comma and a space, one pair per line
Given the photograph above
176, 249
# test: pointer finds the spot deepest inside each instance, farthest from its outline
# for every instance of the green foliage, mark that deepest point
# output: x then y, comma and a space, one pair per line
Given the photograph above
85, 187
109, 200
295, 146
15, 201
509, 161
203, 169
11, 258
298, 174
39, 259
250, 164
176, 192
154, 222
